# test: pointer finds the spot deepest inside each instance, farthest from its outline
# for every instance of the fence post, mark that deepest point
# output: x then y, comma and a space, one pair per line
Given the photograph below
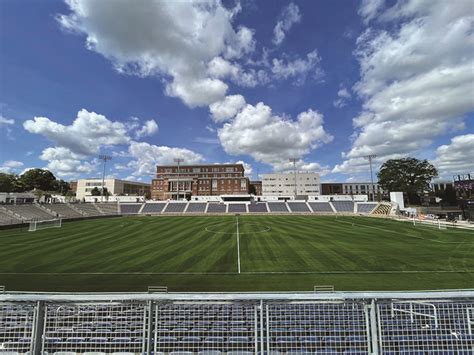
38, 328
374, 334
149, 327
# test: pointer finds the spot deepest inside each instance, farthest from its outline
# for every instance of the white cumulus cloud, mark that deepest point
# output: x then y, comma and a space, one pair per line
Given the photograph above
457, 157
148, 129
10, 166
229, 107
147, 156
171, 39
271, 139
416, 79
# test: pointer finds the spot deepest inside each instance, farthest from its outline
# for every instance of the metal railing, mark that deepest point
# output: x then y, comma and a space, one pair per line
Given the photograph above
329, 323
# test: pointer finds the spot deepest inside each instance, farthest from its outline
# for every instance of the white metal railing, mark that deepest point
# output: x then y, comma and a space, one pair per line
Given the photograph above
335, 322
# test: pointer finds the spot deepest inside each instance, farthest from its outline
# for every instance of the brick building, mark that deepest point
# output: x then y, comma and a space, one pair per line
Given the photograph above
255, 187
198, 180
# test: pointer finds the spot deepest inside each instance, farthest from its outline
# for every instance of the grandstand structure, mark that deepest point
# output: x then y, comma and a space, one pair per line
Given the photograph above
436, 322
17, 214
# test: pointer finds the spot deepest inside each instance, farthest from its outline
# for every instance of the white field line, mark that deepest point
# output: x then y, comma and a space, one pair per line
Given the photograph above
403, 234
238, 245
251, 272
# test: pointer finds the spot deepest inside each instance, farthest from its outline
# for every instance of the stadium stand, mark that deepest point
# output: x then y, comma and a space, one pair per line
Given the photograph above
196, 207
417, 323
383, 209
366, 207
63, 210
130, 208
277, 207
324, 207
237, 208
6, 218
343, 206
298, 207
108, 208
30, 212
153, 207
88, 209
175, 207
258, 207
216, 208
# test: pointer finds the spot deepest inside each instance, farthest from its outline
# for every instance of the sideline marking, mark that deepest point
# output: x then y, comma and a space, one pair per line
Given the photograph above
238, 245
250, 272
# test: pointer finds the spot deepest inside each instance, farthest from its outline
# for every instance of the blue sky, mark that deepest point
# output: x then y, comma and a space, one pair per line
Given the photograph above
259, 82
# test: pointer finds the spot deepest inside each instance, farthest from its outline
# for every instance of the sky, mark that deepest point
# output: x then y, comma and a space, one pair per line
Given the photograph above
255, 82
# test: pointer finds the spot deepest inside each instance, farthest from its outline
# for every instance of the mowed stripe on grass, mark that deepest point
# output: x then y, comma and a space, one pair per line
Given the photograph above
156, 250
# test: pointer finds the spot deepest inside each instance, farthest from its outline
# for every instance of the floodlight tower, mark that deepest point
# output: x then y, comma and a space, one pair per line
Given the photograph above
178, 161
369, 158
294, 160
104, 158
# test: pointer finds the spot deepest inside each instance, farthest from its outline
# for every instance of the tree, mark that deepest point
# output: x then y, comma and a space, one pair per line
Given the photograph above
409, 175
7, 182
61, 186
95, 191
98, 192
38, 179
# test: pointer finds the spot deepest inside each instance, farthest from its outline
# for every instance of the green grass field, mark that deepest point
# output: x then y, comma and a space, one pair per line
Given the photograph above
202, 254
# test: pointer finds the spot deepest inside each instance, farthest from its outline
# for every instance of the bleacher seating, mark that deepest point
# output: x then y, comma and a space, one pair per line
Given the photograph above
130, 208
6, 218
92, 328
343, 206
175, 207
108, 208
64, 210
196, 207
366, 207
258, 207
382, 209
30, 212
298, 207
321, 207
237, 208
277, 207
88, 209
153, 207
216, 208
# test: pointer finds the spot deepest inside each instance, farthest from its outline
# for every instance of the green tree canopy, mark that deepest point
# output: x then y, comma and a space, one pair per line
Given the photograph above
409, 175
38, 179
7, 182
61, 186
95, 191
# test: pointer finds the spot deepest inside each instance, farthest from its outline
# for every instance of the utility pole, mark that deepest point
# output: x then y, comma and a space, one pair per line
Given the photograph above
369, 158
294, 160
104, 158
178, 160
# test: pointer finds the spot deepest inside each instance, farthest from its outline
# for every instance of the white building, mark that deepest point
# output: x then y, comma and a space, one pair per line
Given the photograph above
362, 188
283, 184
115, 187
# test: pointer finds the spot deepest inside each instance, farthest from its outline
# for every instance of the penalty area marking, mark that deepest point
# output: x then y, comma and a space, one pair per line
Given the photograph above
403, 234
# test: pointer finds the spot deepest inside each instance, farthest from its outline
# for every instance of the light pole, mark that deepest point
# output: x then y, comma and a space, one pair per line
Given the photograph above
104, 158
369, 158
178, 160
294, 160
